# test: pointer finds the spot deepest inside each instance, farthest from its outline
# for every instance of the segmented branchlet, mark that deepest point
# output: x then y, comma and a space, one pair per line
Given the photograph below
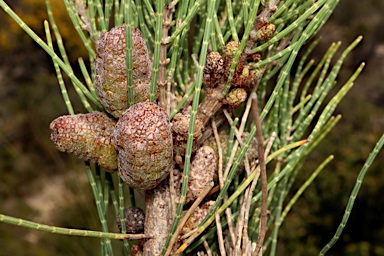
134, 220
251, 152
143, 140
88, 136
201, 174
110, 70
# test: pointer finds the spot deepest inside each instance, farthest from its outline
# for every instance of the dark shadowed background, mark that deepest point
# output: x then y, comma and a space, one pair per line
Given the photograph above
39, 183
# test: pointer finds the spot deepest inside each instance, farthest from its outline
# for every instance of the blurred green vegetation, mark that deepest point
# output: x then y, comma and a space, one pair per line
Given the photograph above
41, 184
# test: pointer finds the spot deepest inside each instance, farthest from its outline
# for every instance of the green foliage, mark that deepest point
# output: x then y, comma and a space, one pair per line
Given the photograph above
294, 103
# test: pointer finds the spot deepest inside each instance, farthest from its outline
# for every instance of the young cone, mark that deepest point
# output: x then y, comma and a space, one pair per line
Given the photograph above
143, 140
110, 70
88, 136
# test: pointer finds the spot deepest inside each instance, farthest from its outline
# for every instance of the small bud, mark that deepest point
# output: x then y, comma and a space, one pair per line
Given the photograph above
235, 97
134, 220
265, 32
143, 140
230, 50
88, 136
110, 70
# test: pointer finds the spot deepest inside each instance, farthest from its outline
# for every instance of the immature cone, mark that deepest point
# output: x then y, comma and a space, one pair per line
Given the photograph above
143, 140
229, 52
201, 174
213, 70
248, 77
180, 126
134, 220
262, 31
88, 136
111, 74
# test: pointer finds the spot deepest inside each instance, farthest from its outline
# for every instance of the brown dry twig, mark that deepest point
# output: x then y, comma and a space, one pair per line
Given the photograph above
185, 218
263, 172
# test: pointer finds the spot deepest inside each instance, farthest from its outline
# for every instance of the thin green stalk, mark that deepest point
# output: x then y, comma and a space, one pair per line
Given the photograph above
303, 187
277, 215
87, 78
119, 16
329, 109
92, 18
64, 92
195, 104
353, 196
107, 11
101, 19
107, 186
286, 70
115, 203
63, 53
191, 14
191, 89
60, 231
300, 104
157, 46
128, 50
100, 209
230, 19
219, 34
301, 73
315, 6
71, 10
127, 248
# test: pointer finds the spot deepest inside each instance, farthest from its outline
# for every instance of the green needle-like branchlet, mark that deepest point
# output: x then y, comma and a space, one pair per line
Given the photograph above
178, 41
128, 50
53, 55
353, 196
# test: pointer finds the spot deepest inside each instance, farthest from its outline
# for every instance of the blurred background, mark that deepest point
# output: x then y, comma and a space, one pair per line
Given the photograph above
39, 183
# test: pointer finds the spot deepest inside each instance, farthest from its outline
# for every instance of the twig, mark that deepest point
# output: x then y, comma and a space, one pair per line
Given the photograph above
173, 195
169, 93
206, 246
220, 234
69, 231
220, 151
263, 172
240, 224
185, 218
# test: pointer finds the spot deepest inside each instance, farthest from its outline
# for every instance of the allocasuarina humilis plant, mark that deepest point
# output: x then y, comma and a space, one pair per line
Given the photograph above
199, 108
